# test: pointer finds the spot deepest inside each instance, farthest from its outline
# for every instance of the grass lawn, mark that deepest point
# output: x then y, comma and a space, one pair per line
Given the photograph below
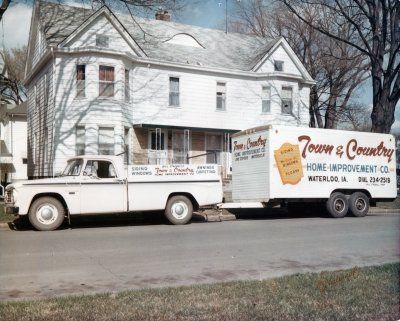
370, 293
5, 218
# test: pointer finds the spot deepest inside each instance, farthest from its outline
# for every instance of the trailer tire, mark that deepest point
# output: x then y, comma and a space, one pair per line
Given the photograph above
337, 205
46, 214
179, 210
359, 204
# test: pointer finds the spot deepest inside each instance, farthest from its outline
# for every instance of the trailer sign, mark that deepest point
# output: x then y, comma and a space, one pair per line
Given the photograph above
279, 162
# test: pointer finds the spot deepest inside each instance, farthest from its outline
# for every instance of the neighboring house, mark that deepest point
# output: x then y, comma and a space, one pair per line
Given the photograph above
13, 143
99, 82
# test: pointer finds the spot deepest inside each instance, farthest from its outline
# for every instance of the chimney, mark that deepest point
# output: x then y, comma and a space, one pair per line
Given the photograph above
163, 15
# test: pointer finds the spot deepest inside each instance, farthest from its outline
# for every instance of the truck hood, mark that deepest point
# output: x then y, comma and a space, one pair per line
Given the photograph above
53, 180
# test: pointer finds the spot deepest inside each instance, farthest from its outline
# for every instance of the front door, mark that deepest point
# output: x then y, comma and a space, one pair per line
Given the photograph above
180, 146
158, 153
101, 190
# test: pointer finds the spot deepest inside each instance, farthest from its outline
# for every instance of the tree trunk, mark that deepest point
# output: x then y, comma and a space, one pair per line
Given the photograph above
313, 105
382, 115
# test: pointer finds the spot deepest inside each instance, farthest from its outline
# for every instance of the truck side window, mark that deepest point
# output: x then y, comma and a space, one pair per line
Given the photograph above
100, 169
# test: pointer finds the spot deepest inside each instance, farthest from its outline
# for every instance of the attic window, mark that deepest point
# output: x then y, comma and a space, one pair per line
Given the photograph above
278, 65
184, 39
102, 41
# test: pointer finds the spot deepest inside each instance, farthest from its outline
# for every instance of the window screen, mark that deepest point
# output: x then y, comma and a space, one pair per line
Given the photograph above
174, 91
80, 140
221, 96
106, 81
287, 100
214, 148
266, 99
106, 141
278, 65
80, 80
102, 41
127, 87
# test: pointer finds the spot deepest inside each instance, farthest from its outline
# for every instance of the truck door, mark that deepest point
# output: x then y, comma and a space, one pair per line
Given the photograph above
101, 190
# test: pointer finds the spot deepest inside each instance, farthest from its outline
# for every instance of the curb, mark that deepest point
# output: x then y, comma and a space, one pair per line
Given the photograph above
377, 210
4, 226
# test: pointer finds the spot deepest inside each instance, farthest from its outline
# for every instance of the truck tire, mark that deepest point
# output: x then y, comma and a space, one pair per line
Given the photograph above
179, 210
46, 214
337, 205
359, 204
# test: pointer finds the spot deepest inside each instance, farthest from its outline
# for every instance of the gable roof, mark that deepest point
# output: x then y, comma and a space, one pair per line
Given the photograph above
231, 51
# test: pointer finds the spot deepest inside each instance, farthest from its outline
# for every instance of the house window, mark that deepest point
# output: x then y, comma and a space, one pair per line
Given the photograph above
102, 41
278, 65
79, 140
287, 100
24, 161
106, 81
127, 87
80, 80
106, 141
221, 96
126, 145
173, 91
157, 141
213, 148
266, 99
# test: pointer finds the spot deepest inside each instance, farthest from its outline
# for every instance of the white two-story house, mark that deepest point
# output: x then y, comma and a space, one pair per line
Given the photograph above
101, 82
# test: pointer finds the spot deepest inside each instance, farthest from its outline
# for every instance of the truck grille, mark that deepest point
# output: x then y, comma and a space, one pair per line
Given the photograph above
9, 197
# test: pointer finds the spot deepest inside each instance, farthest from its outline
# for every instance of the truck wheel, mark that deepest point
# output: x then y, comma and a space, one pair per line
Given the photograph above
179, 210
46, 214
337, 205
359, 204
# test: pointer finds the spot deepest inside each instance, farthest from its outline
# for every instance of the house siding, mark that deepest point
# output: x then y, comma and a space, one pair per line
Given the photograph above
281, 55
40, 116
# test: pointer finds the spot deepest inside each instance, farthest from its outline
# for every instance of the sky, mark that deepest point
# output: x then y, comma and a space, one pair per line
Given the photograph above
14, 30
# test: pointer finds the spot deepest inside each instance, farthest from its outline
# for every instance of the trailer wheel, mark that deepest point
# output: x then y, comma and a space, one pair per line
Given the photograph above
46, 214
359, 204
337, 205
179, 210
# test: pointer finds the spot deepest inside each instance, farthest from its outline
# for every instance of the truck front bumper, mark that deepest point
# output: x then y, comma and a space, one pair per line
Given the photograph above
12, 210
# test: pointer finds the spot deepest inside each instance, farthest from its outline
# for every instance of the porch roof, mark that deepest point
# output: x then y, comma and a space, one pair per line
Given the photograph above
195, 129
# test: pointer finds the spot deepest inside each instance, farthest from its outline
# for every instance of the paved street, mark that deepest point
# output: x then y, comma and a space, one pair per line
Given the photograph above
99, 259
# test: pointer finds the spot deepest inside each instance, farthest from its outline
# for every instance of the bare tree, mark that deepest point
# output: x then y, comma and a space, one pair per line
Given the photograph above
11, 88
357, 118
4, 7
337, 68
375, 26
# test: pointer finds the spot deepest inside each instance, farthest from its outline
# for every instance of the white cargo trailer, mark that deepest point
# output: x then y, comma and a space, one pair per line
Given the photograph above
344, 170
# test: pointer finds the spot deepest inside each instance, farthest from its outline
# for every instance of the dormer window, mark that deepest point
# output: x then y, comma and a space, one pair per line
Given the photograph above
278, 65
102, 41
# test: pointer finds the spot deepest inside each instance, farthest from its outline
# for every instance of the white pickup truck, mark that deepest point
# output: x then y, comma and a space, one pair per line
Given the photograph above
103, 184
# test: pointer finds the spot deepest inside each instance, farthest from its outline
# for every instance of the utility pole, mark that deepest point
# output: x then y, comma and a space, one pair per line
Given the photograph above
226, 16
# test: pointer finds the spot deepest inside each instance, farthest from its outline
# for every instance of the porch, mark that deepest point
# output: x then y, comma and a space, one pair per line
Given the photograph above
153, 144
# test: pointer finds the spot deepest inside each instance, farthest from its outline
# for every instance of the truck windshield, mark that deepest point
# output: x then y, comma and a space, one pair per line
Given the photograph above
73, 167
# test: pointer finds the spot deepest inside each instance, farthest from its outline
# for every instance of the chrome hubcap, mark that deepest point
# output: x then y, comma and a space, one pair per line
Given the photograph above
179, 210
360, 204
339, 205
47, 214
